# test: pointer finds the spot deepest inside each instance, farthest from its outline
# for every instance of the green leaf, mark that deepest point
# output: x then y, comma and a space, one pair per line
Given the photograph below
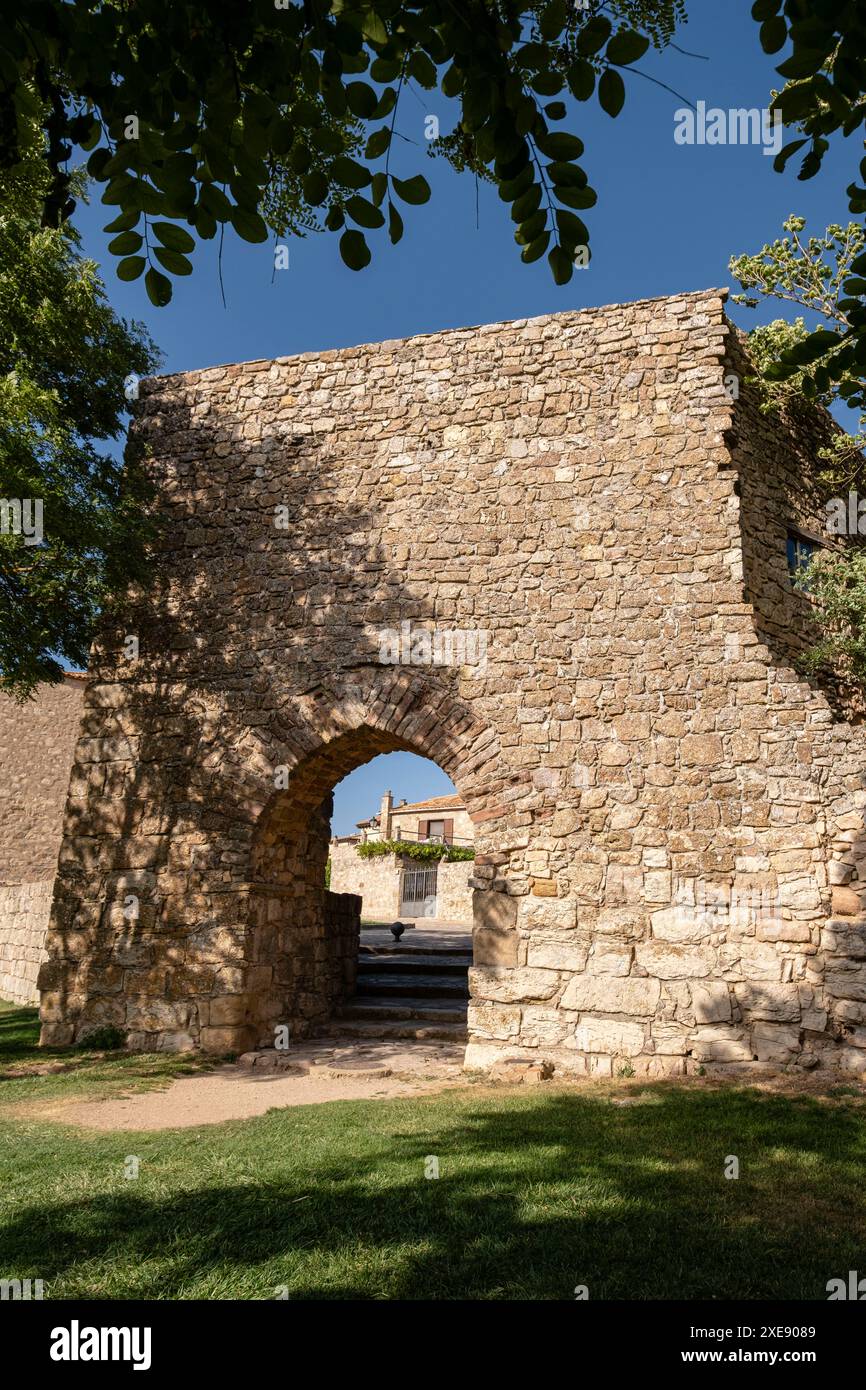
378, 187
591, 38
547, 84
569, 175
315, 186
561, 264
365, 213
123, 223
526, 204
173, 261
571, 228
373, 29
785, 154
611, 92
509, 189
536, 250
811, 348
765, 9
248, 225
531, 229
349, 172
354, 250
384, 69
626, 47
773, 34
174, 237
204, 222
559, 145
158, 288
415, 190
576, 197
131, 267
215, 201
553, 19
125, 244
395, 223
377, 143
361, 98
802, 63
452, 82
581, 79
422, 69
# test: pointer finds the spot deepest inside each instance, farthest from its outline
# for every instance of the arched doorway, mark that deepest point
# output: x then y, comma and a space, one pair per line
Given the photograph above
303, 940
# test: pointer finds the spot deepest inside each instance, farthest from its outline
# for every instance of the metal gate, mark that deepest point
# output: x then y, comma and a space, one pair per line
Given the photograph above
418, 891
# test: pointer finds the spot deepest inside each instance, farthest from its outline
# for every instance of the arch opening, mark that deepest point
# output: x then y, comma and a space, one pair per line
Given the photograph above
303, 939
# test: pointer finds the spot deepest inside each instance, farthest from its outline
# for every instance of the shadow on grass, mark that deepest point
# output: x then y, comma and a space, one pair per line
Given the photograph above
19, 1035
537, 1194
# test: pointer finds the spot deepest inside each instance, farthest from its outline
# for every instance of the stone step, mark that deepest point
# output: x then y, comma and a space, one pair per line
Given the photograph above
431, 965
398, 1009
405, 948
385, 1028
413, 986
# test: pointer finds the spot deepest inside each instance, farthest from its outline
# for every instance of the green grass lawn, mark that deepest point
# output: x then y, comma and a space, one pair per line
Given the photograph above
541, 1189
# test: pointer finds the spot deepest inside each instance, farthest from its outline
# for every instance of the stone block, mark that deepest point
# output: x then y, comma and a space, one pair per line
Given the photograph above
778, 1003
502, 985
711, 1001
671, 962
607, 994
609, 1037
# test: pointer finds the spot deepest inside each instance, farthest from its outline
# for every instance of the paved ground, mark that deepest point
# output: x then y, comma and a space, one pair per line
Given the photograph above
427, 932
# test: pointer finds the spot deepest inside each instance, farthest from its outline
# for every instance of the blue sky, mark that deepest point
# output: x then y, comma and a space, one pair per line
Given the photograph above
668, 218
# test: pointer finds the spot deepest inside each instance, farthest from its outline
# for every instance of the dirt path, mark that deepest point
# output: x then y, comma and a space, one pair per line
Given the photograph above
311, 1075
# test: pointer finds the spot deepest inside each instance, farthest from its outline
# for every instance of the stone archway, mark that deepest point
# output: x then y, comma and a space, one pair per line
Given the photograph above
302, 943
234, 931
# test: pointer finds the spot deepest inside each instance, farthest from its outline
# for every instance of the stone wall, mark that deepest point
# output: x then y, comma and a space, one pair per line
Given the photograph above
453, 891
24, 909
37, 741
376, 881
670, 867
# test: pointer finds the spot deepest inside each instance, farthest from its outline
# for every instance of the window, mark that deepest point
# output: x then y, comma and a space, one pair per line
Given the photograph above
436, 830
800, 551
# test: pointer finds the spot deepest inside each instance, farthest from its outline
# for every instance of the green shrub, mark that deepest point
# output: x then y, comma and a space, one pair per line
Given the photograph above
410, 850
105, 1039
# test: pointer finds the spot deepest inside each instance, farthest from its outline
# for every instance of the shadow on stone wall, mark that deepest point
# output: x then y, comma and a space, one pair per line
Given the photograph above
257, 647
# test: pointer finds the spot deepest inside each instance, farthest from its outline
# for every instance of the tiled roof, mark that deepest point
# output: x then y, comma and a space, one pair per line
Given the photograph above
435, 803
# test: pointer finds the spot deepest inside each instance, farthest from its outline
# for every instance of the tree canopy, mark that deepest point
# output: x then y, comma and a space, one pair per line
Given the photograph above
73, 527
193, 113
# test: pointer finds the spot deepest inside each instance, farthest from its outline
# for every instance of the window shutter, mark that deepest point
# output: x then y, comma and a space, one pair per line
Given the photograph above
449, 832
423, 829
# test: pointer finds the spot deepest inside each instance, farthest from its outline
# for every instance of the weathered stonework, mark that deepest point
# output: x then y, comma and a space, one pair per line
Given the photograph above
671, 865
37, 740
